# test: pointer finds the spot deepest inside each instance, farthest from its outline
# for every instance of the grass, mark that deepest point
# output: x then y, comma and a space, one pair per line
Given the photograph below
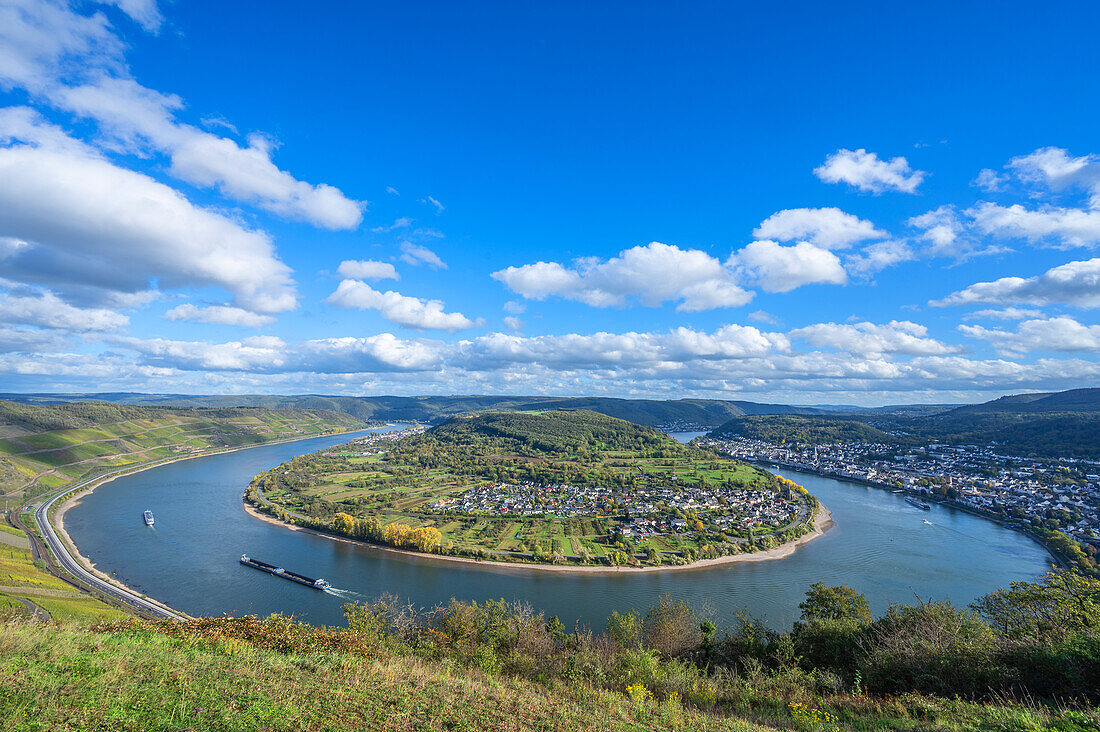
62, 677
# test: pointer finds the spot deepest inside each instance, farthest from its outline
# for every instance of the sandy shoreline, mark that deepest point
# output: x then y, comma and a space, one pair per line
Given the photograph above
58, 518
823, 521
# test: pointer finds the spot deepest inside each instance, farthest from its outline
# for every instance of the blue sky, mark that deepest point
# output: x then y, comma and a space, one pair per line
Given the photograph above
802, 203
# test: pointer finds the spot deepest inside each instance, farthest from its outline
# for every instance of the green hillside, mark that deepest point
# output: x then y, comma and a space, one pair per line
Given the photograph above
1024, 658
45, 447
801, 430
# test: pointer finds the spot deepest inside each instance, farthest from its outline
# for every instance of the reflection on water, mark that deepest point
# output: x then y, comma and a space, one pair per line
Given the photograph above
880, 545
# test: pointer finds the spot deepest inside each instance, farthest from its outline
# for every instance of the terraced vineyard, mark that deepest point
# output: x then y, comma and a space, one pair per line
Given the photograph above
566, 486
45, 447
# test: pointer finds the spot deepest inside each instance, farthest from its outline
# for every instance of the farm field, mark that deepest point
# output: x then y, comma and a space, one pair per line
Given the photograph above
566, 486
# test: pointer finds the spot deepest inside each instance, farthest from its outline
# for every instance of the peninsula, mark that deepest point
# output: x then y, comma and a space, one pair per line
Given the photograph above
568, 488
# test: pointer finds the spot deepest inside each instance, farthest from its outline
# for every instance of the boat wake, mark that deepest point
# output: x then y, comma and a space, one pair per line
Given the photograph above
345, 594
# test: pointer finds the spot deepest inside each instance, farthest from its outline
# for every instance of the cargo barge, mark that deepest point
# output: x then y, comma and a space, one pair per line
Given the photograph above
317, 584
919, 504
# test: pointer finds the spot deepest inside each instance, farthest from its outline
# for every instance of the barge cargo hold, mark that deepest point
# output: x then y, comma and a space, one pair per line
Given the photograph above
919, 504
317, 584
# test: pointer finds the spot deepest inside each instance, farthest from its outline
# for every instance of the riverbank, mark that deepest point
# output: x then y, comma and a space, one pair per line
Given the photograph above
823, 521
57, 515
1016, 526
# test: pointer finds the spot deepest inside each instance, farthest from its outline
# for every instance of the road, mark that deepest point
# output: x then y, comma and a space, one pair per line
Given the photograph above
73, 567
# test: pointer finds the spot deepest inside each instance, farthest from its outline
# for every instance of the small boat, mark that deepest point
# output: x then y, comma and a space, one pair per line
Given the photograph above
148, 518
318, 584
919, 504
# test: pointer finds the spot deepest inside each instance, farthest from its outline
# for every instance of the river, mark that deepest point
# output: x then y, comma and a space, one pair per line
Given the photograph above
880, 545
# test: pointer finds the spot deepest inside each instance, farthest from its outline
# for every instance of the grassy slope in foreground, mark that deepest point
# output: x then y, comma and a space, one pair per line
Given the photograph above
634, 472
46, 447
67, 678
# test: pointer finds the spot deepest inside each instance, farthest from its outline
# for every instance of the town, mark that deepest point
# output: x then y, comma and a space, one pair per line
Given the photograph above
647, 511
1061, 494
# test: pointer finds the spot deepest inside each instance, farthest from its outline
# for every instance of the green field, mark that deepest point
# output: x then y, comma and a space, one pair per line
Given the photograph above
396, 483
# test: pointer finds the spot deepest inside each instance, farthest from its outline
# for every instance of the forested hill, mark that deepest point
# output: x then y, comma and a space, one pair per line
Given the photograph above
1074, 400
651, 412
800, 429
1032, 434
560, 431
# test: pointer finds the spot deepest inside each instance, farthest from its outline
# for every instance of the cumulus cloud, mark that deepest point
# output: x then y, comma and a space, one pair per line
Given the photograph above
367, 269
46, 310
776, 268
897, 336
513, 323
1051, 334
415, 254
1055, 169
827, 228
654, 274
1060, 227
411, 312
76, 63
947, 234
219, 315
865, 171
1073, 283
81, 216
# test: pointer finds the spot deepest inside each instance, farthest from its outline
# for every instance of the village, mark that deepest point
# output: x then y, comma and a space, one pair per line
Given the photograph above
1061, 494
642, 512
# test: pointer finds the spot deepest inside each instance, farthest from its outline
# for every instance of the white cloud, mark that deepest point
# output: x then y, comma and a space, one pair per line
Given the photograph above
219, 315
144, 12
76, 64
760, 316
367, 269
1073, 283
1052, 334
1003, 314
1062, 227
947, 235
827, 228
411, 312
990, 180
439, 207
46, 310
81, 216
513, 323
513, 307
416, 255
654, 273
1054, 168
878, 256
866, 338
403, 222
867, 172
777, 268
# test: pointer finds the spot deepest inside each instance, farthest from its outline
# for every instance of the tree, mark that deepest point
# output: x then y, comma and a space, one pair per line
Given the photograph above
344, 523
834, 603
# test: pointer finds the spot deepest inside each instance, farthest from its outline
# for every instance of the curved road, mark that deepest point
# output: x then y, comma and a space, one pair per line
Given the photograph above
73, 567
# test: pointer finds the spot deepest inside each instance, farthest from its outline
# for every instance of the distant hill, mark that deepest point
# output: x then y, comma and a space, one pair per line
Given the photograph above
1074, 400
561, 430
800, 429
703, 413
